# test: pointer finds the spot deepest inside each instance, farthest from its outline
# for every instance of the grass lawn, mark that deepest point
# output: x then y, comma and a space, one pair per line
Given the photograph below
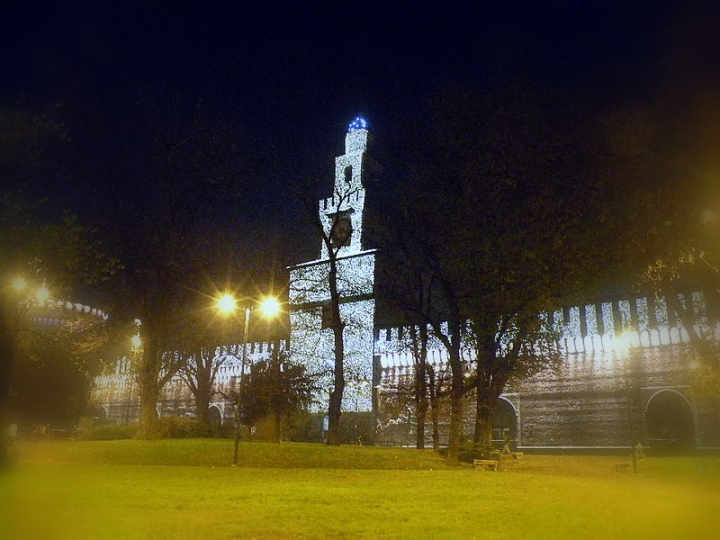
181, 489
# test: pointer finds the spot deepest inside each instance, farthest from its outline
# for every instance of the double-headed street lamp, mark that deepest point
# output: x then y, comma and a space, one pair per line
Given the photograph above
227, 305
41, 294
23, 297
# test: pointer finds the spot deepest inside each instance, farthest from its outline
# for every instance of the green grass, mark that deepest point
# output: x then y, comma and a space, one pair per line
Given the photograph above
185, 489
219, 453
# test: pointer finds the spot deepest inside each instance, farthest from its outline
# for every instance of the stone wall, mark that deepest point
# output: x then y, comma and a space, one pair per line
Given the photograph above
629, 384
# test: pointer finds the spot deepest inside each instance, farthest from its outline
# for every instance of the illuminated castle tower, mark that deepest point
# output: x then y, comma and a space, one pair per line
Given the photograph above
311, 338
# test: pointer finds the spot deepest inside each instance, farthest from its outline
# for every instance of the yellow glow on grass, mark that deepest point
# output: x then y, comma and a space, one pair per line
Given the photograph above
100, 489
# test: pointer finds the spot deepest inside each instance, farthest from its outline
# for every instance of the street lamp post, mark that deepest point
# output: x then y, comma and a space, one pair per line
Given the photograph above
136, 342
236, 448
622, 345
227, 304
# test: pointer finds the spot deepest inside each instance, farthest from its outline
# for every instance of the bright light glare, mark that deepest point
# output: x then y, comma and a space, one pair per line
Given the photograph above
136, 341
622, 343
226, 303
19, 284
42, 294
270, 307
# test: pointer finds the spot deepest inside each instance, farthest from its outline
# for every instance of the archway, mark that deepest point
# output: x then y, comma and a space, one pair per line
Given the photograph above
669, 420
99, 415
214, 417
504, 421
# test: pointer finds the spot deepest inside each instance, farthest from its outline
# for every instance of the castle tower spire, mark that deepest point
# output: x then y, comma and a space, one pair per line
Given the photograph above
342, 214
311, 312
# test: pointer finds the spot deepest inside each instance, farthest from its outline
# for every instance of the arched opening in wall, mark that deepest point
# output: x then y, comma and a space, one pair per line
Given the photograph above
504, 422
214, 417
669, 420
99, 415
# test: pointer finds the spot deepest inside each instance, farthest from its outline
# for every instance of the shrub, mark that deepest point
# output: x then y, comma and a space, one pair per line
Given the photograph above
177, 427
113, 432
357, 428
170, 427
305, 427
469, 451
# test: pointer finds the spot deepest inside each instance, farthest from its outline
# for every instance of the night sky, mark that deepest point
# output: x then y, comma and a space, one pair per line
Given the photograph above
293, 74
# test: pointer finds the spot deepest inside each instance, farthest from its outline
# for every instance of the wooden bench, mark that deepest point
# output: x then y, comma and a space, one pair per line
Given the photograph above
486, 464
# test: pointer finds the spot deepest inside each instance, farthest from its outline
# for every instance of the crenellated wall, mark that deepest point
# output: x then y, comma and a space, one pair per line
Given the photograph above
116, 393
619, 356
626, 374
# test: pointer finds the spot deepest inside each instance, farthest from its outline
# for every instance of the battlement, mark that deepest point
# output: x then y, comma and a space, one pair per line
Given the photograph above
644, 321
356, 139
56, 312
333, 203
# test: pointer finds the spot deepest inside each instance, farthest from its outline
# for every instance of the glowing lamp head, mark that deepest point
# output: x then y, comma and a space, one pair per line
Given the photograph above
226, 303
623, 342
270, 307
42, 294
136, 342
19, 284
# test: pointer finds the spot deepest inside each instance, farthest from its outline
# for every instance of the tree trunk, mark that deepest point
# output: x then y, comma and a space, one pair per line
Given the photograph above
455, 429
7, 357
491, 377
336, 396
434, 409
422, 409
204, 383
421, 385
276, 424
457, 391
435, 416
148, 414
484, 420
277, 399
202, 404
334, 411
149, 392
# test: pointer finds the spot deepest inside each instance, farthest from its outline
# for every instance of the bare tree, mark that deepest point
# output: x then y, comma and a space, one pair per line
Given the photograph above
334, 286
336, 292
199, 370
158, 219
499, 227
53, 256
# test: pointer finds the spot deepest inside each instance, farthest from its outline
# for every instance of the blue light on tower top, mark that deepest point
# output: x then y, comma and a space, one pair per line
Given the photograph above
358, 123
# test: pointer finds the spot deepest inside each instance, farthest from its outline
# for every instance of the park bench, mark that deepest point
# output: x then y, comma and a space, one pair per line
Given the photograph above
486, 464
